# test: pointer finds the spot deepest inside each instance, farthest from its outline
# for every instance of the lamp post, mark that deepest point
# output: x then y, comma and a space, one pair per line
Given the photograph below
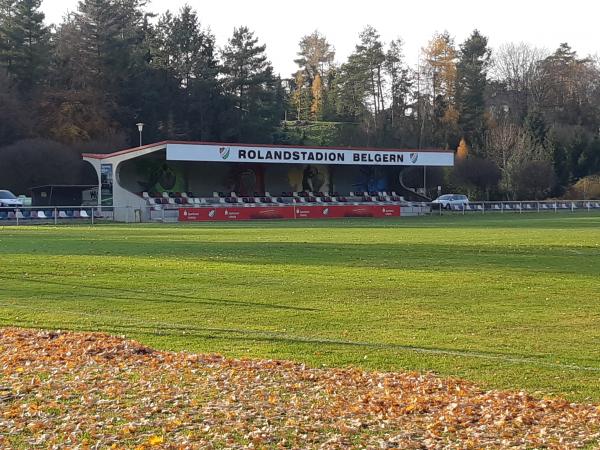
140, 126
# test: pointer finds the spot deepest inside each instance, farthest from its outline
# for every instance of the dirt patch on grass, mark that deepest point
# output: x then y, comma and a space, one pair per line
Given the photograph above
62, 389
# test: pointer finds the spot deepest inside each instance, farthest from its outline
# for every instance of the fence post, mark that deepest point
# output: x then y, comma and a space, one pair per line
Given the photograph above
520, 207
17, 216
55, 216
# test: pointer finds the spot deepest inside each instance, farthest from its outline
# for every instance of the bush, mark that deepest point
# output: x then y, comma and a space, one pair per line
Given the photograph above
36, 162
586, 188
534, 180
476, 176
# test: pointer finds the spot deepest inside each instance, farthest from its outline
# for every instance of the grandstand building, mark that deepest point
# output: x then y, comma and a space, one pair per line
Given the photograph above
173, 180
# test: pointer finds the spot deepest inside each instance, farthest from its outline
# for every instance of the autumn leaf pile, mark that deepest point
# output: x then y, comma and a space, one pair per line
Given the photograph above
90, 390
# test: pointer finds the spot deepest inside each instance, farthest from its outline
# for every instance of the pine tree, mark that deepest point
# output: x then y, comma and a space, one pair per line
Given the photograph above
249, 82
315, 56
471, 82
27, 41
7, 46
400, 82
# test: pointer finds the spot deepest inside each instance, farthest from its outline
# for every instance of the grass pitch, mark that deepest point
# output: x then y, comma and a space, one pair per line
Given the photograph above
509, 301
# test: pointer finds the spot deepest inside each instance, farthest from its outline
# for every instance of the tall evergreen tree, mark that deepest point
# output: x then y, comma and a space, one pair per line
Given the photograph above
472, 67
26, 43
251, 86
7, 46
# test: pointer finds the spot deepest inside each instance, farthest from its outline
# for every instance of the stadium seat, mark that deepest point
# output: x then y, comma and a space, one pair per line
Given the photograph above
11, 215
83, 214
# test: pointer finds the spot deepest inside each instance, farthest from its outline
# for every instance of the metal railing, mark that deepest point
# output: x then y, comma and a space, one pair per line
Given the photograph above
529, 206
31, 215
55, 214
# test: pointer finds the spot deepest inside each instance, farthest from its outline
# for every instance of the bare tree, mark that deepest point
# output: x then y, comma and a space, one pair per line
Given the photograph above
518, 68
511, 147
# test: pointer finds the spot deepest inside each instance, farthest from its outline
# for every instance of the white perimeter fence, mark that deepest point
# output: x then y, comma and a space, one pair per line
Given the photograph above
30, 215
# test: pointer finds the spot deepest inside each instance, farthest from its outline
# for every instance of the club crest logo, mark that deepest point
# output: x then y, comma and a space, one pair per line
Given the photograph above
326, 211
224, 152
414, 157
212, 213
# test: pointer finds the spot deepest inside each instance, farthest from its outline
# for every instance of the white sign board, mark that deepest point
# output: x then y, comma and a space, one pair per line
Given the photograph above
306, 155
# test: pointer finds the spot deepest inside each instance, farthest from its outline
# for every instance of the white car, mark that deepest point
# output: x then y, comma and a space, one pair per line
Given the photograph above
10, 200
449, 200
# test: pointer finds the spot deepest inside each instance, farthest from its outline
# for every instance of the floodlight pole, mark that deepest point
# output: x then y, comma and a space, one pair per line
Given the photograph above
140, 126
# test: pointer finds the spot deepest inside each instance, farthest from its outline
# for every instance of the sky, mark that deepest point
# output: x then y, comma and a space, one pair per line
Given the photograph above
281, 24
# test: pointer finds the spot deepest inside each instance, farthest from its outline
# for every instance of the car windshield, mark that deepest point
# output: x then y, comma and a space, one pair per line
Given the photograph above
7, 195
445, 197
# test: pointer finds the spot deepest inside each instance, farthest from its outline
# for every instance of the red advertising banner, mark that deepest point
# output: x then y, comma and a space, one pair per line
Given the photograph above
235, 213
286, 212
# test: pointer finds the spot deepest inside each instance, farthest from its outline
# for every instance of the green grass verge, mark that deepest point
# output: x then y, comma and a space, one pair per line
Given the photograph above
509, 301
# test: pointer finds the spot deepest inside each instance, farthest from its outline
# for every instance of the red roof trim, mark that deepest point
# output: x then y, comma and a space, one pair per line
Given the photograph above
121, 152
370, 149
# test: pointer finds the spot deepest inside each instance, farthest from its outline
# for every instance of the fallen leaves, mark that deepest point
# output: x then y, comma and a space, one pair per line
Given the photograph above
88, 390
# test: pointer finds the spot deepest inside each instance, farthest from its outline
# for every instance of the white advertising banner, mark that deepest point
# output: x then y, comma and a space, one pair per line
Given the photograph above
306, 155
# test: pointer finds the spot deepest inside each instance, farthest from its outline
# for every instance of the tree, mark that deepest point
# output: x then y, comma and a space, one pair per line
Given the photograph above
463, 150
518, 70
478, 176
535, 179
7, 45
31, 44
370, 58
186, 59
251, 86
35, 162
400, 81
474, 60
571, 89
15, 118
316, 107
512, 147
351, 89
315, 56
300, 98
